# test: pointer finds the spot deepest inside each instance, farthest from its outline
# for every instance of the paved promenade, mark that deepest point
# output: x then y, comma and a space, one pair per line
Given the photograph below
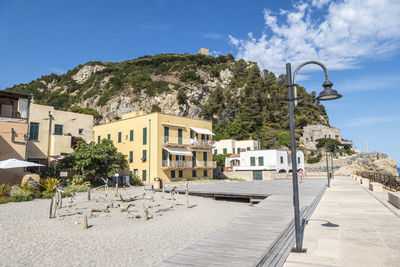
351, 227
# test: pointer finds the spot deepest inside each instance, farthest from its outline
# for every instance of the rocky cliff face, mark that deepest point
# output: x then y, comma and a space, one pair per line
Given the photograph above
370, 162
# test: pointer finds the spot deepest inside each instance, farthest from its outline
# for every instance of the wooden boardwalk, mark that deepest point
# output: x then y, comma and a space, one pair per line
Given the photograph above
262, 235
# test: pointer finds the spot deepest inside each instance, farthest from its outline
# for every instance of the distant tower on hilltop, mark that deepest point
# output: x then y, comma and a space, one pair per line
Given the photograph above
204, 51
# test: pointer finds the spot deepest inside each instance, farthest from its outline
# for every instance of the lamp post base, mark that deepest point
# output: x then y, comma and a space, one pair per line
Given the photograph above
295, 250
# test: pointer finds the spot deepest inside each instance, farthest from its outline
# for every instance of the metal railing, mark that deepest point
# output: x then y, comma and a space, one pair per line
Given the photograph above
387, 180
174, 140
202, 143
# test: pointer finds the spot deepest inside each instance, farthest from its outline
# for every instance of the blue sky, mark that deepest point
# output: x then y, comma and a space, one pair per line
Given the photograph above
358, 40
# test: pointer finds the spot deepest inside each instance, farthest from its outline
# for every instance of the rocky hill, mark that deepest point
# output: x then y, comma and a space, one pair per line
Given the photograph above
242, 101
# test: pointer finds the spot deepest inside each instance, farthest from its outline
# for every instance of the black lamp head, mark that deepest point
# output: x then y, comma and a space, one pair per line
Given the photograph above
328, 93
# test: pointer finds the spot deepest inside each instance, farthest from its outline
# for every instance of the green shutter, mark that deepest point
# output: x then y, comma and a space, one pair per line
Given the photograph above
215, 151
172, 174
281, 160
248, 149
58, 129
225, 151
179, 136
252, 161
98, 139
130, 156
144, 175
109, 136
261, 161
180, 173
119, 137
34, 131
144, 136
238, 150
205, 156
131, 135
144, 155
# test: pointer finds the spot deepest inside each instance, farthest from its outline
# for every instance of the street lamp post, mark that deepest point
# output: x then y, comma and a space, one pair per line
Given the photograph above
327, 165
334, 151
327, 94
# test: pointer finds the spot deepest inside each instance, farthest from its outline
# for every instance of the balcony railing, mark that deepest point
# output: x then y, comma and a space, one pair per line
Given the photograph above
174, 140
175, 164
202, 143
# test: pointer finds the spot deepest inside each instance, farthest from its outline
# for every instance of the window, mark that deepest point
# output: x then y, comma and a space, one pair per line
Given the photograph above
109, 136
225, 151
144, 136
180, 173
58, 129
135, 172
98, 139
130, 173
180, 136
166, 134
194, 173
164, 154
172, 174
119, 137
130, 156
194, 158
144, 155
260, 161
191, 134
144, 175
131, 135
80, 131
215, 151
281, 160
248, 148
238, 150
252, 161
298, 160
34, 131
205, 173
205, 156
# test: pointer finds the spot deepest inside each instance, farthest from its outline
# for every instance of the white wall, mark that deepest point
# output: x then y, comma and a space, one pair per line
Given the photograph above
271, 160
233, 145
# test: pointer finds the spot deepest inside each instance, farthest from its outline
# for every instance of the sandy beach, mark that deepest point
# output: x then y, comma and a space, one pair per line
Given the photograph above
30, 238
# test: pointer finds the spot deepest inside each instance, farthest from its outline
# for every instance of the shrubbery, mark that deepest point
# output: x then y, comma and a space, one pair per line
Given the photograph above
135, 180
313, 160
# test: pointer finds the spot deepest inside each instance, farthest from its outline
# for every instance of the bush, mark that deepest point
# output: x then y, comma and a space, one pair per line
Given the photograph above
314, 159
4, 190
26, 191
135, 180
49, 184
15, 199
220, 159
76, 188
48, 195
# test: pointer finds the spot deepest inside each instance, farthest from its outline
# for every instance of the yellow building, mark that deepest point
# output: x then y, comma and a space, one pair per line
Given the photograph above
160, 145
52, 132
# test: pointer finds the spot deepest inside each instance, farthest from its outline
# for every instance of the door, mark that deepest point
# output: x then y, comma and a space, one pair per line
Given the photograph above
257, 175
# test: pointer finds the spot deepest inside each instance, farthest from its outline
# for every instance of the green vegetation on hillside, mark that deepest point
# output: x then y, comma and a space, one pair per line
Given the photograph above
250, 104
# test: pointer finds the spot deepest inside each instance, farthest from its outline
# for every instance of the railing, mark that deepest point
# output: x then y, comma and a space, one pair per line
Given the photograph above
174, 140
176, 164
206, 164
202, 143
387, 180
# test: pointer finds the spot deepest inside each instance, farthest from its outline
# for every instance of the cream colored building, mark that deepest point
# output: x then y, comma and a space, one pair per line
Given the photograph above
230, 146
160, 145
53, 132
13, 133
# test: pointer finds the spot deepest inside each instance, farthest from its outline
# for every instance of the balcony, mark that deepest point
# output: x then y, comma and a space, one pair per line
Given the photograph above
174, 141
206, 164
176, 164
202, 143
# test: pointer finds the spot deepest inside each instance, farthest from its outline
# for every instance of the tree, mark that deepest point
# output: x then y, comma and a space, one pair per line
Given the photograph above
332, 144
283, 139
95, 160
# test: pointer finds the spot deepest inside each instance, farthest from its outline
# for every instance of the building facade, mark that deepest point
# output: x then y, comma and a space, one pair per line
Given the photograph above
230, 146
264, 160
13, 133
311, 133
52, 133
160, 145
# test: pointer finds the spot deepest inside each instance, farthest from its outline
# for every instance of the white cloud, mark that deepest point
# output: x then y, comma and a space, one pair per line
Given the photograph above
370, 120
350, 31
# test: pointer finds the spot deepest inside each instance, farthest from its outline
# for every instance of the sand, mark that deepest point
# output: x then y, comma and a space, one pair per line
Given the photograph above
30, 238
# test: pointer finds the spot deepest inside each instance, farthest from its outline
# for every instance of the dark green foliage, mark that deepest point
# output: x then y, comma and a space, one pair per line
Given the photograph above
283, 139
135, 180
155, 108
220, 159
181, 96
117, 118
314, 159
190, 76
88, 111
332, 144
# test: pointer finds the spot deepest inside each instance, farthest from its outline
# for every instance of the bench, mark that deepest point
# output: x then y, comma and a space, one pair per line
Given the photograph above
394, 199
377, 187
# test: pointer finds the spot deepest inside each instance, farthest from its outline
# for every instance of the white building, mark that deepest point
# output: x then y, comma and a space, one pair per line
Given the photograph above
230, 146
264, 160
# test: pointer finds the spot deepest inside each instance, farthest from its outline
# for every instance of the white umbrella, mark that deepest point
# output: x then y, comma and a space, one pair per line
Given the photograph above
16, 163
